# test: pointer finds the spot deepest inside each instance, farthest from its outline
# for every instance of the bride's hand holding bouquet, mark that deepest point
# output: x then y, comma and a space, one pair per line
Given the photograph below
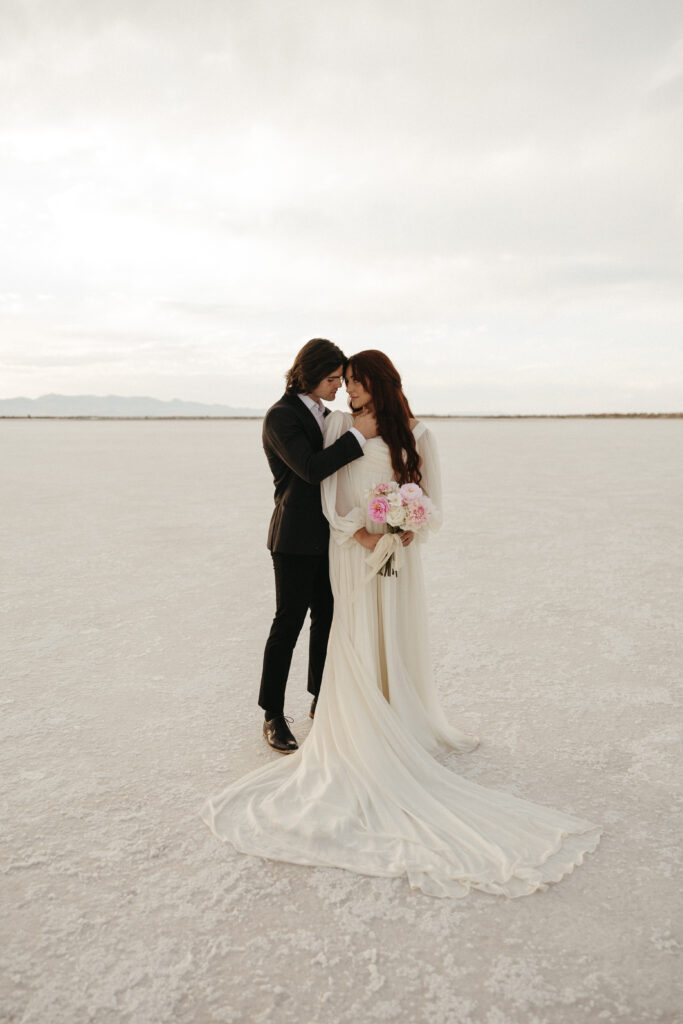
403, 510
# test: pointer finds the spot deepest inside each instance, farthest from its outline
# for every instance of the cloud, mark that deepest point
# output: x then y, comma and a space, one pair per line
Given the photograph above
230, 179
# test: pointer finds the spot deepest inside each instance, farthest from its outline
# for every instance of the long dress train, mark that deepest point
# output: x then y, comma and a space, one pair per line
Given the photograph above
364, 791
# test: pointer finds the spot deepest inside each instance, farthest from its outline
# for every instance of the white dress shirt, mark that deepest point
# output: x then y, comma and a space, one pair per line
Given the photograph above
318, 410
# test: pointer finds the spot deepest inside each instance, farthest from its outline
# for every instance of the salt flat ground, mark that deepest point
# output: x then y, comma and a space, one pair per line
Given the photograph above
136, 596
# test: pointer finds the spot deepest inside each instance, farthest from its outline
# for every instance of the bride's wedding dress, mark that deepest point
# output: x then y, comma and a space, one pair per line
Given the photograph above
364, 791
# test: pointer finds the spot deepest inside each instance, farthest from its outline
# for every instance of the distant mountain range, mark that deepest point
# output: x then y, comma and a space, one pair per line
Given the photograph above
114, 405
141, 406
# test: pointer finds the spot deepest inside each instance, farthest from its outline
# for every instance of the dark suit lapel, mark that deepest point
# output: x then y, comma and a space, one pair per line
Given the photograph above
307, 418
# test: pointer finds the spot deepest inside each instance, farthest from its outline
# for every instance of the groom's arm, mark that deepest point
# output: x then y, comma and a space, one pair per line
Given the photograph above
285, 434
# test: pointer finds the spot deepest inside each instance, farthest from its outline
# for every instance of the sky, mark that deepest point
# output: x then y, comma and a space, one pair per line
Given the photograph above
490, 192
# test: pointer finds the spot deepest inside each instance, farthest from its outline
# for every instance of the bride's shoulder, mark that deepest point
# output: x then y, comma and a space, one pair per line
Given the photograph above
418, 428
338, 416
337, 422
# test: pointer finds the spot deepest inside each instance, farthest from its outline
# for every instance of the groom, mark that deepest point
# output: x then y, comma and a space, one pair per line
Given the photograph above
298, 537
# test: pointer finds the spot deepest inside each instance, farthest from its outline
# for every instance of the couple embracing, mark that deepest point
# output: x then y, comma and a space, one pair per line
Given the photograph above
365, 790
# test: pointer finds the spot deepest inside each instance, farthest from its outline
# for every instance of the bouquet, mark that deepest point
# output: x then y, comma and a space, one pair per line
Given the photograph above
400, 508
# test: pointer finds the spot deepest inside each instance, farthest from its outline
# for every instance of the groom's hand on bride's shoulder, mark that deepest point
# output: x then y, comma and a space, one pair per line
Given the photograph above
367, 424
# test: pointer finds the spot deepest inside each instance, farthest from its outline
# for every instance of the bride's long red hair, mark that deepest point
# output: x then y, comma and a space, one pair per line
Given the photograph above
379, 376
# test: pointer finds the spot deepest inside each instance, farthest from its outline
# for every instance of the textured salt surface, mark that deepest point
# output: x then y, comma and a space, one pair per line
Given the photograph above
135, 599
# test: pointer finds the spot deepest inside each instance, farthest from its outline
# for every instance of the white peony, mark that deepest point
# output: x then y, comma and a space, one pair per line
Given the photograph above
396, 515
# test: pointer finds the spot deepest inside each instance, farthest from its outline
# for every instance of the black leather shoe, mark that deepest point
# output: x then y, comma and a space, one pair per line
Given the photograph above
311, 713
278, 735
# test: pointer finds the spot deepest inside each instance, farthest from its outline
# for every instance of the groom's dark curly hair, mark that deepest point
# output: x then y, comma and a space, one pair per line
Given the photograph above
318, 359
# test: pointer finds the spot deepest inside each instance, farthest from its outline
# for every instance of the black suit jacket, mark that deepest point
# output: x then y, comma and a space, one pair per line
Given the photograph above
293, 444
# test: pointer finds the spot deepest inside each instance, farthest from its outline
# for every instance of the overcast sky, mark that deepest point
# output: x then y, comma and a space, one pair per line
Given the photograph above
488, 191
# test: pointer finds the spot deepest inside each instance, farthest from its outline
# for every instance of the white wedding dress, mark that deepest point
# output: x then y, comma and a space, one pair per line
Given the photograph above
364, 791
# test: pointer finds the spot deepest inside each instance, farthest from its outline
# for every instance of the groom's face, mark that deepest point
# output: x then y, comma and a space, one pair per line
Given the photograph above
329, 386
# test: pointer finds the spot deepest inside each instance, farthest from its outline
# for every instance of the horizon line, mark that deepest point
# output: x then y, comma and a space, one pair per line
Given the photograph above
427, 416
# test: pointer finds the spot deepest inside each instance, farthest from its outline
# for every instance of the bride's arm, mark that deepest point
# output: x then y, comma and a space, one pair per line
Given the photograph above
367, 540
346, 519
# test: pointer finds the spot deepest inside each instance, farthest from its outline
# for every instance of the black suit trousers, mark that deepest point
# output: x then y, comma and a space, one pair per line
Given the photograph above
302, 582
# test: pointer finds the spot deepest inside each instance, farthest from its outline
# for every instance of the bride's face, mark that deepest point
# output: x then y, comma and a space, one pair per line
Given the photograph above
358, 394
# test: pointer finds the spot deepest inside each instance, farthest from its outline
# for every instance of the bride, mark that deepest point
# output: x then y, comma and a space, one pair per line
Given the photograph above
364, 791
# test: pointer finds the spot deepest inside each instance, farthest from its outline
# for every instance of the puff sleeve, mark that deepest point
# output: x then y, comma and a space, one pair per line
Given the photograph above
430, 468
339, 507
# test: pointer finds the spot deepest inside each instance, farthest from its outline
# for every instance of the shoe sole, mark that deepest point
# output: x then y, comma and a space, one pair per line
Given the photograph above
280, 750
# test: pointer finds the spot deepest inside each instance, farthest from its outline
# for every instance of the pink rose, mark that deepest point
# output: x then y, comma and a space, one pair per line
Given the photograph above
410, 492
417, 514
378, 510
